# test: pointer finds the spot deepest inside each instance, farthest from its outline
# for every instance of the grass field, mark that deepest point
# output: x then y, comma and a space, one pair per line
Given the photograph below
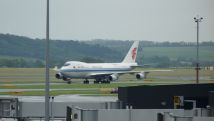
20, 81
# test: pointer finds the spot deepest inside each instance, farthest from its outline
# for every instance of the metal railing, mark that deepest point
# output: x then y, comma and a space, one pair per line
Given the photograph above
35, 118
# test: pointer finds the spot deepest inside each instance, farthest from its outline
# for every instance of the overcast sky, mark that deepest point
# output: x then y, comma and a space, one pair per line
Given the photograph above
155, 20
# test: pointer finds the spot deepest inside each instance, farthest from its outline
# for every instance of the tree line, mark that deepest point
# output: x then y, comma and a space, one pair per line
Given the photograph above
19, 51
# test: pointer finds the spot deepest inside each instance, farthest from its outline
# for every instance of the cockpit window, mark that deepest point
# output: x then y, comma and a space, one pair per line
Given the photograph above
66, 64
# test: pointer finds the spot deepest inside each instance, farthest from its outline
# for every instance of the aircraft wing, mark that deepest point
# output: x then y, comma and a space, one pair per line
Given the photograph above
97, 75
127, 72
118, 73
158, 71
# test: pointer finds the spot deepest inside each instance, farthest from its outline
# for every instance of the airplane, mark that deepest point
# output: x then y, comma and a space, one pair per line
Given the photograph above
101, 72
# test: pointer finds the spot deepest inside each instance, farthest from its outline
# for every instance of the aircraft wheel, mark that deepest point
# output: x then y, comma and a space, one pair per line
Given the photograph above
68, 82
86, 82
97, 81
105, 81
64, 78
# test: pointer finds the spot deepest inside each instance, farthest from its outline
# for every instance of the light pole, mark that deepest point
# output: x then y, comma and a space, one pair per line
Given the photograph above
197, 20
47, 100
52, 101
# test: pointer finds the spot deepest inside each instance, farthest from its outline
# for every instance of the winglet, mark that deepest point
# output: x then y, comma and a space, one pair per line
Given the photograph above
132, 53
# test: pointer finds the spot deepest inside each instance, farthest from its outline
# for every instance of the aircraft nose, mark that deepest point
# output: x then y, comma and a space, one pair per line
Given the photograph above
62, 70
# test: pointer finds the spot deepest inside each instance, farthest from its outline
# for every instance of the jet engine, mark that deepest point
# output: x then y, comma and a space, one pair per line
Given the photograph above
59, 76
113, 77
140, 75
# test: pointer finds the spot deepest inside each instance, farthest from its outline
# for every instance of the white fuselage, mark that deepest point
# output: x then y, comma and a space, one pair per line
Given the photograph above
101, 72
76, 69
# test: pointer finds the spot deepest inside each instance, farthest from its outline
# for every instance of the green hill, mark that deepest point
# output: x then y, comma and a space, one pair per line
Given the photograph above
205, 53
165, 54
18, 51
16, 47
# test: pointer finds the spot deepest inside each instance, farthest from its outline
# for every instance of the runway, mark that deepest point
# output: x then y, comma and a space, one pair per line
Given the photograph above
21, 90
183, 77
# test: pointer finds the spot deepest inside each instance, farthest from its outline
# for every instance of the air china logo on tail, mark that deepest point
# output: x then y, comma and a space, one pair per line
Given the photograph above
134, 52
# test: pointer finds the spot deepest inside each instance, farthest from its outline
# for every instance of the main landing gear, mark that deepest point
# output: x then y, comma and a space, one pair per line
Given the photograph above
98, 81
102, 81
86, 81
69, 82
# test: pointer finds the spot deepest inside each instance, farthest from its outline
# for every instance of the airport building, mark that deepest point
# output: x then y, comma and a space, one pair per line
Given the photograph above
185, 96
33, 108
187, 102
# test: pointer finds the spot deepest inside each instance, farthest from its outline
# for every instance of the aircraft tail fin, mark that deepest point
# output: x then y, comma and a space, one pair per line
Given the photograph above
132, 53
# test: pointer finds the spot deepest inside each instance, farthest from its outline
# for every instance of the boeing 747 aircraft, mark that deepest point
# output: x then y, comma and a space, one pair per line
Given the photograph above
101, 72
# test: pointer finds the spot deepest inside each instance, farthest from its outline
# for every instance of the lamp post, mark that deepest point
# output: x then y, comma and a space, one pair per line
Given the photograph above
197, 20
47, 100
52, 109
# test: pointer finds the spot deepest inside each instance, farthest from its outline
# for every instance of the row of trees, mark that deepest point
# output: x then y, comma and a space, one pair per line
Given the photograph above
21, 63
31, 63
175, 44
154, 61
165, 62
144, 43
17, 51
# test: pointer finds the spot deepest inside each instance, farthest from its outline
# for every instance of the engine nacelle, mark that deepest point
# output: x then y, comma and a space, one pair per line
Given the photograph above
59, 76
113, 77
140, 75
